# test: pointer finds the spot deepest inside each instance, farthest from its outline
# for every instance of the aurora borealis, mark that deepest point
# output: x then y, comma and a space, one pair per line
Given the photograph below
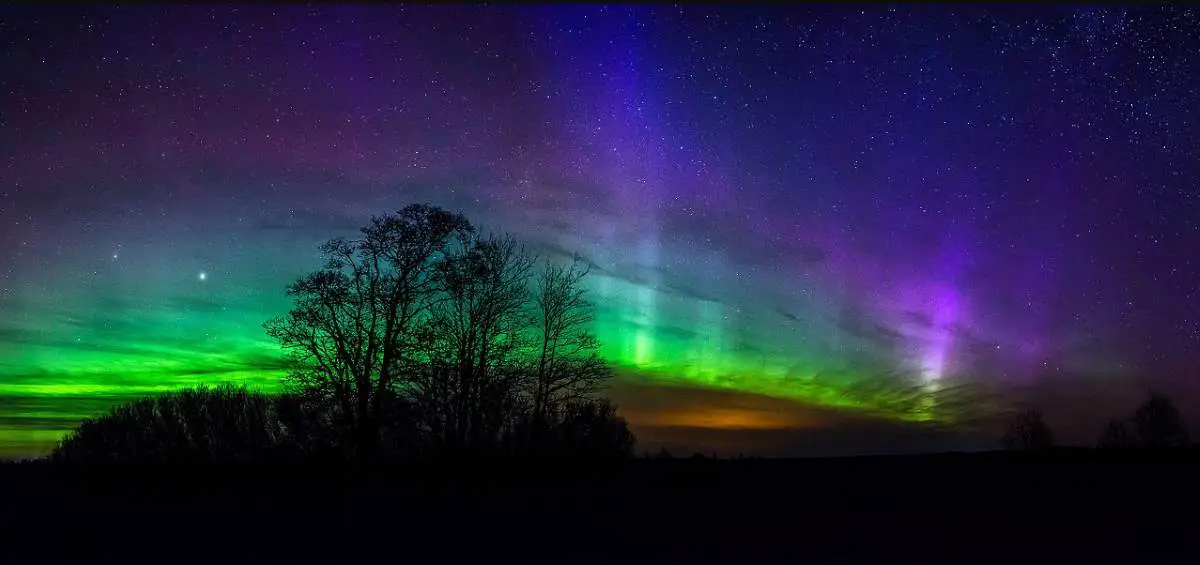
809, 218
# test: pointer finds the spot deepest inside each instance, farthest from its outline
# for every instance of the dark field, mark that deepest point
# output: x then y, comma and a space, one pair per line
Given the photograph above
1068, 507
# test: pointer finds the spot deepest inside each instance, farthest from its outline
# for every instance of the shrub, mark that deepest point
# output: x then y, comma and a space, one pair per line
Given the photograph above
582, 430
199, 425
228, 424
1027, 431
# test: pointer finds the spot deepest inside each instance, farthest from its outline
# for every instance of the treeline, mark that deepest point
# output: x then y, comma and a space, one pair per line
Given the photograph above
230, 424
1155, 424
419, 340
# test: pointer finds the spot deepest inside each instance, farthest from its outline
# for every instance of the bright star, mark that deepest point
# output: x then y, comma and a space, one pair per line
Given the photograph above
202, 276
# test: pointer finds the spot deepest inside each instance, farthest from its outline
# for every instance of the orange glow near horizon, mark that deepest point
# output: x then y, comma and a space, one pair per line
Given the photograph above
726, 418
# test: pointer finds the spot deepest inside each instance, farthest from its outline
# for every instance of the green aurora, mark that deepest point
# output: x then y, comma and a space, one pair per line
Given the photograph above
74, 355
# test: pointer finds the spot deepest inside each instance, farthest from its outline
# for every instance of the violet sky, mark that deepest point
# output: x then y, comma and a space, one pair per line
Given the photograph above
853, 222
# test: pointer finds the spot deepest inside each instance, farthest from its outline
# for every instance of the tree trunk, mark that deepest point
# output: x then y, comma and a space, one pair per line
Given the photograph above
367, 450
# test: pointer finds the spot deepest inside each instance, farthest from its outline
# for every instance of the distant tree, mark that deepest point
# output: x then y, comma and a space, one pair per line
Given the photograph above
353, 326
1027, 430
1158, 424
1116, 435
569, 366
663, 454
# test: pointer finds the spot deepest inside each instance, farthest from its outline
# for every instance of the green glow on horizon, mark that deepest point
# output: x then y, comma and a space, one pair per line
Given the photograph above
60, 350
102, 346
701, 352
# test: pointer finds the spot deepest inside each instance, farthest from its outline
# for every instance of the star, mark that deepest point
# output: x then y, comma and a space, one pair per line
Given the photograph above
202, 276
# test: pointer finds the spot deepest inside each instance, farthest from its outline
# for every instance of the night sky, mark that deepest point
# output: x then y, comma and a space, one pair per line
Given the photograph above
813, 229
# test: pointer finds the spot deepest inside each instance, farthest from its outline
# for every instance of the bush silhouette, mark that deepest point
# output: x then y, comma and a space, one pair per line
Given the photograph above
1027, 430
197, 425
1158, 424
1116, 435
228, 424
589, 430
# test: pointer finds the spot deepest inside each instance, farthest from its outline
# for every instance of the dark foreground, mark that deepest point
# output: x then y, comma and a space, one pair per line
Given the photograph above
1072, 507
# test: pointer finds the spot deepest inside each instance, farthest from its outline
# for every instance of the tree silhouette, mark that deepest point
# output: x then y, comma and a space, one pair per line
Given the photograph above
353, 326
476, 332
1027, 430
1158, 424
568, 365
424, 337
1116, 435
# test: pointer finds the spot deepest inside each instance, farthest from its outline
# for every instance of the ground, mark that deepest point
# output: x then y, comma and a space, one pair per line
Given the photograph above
987, 508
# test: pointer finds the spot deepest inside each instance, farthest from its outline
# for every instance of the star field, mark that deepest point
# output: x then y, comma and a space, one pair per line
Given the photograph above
798, 217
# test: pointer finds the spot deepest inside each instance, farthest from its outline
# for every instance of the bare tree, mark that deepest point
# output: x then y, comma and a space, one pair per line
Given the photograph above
568, 363
353, 326
477, 333
1027, 430
422, 336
